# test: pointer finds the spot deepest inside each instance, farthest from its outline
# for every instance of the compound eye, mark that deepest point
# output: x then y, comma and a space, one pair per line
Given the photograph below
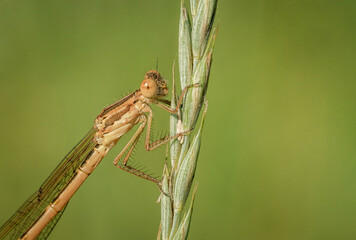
149, 88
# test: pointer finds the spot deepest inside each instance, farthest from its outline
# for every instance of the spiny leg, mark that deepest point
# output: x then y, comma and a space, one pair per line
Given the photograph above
134, 138
129, 148
138, 173
135, 171
132, 147
150, 146
143, 175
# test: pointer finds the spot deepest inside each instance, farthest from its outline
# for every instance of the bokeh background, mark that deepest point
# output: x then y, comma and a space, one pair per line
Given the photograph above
278, 152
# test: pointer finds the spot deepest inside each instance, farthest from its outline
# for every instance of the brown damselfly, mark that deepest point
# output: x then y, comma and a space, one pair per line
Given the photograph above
39, 214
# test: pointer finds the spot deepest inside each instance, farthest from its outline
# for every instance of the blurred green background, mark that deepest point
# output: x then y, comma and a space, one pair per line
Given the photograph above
278, 152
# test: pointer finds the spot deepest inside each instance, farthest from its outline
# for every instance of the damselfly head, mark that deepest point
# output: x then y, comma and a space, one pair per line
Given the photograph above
153, 86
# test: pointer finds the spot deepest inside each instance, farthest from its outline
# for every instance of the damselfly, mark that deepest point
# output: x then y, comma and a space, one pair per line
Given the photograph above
40, 213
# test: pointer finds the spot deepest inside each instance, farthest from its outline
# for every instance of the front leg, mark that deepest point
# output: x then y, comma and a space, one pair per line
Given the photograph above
162, 103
